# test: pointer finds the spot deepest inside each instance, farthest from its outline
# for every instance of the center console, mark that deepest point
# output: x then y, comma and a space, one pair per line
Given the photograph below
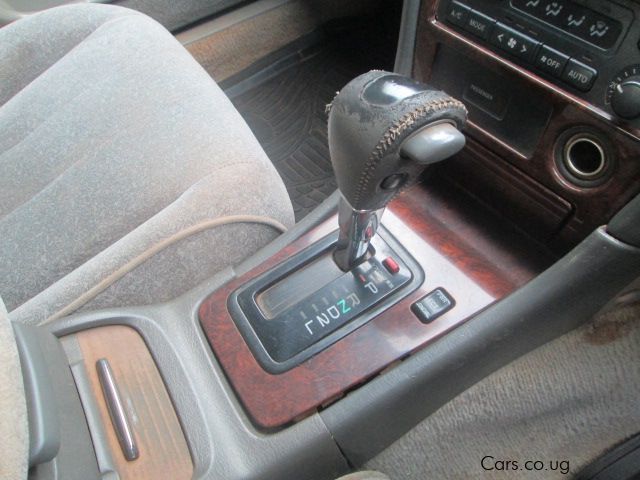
290, 319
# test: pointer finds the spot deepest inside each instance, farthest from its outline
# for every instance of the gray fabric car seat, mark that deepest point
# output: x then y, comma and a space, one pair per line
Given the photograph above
127, 176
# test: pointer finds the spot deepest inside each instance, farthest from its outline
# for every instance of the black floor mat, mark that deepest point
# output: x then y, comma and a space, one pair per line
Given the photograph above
287, 114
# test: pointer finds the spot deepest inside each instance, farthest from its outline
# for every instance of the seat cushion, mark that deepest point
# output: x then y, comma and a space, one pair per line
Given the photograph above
113, 139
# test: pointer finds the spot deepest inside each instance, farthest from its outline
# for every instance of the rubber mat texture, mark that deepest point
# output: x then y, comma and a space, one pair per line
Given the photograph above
288, 116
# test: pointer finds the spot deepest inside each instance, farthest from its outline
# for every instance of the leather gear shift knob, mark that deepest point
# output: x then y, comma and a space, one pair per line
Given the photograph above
384, 129
370, 121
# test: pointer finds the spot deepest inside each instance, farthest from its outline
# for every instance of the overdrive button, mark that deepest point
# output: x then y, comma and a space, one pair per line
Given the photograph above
433, 305
551, 61
579, 75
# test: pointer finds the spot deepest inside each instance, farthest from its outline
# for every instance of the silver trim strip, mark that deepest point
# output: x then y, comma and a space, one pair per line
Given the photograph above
357, 228
116, 410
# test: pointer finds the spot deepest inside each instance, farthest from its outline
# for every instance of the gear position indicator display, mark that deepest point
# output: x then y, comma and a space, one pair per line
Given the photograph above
291, 311
327, 309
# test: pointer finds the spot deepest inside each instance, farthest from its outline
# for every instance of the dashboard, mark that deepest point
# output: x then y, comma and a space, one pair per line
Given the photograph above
553, 93
591, 49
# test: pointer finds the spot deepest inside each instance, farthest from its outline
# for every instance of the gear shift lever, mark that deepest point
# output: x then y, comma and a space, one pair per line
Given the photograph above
384, 129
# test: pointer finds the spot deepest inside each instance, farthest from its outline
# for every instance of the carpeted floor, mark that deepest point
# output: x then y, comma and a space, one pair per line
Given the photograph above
287, 112
287, 115
563, 404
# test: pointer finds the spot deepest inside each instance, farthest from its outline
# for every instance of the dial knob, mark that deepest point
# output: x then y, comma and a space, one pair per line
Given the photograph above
625, 99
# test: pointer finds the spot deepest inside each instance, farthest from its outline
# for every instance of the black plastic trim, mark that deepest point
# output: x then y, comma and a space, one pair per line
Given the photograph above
60, 444
42, 409
620, 463
625, 225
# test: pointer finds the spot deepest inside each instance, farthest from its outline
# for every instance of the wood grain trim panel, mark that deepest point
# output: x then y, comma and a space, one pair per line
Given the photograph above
473, 269
163, 449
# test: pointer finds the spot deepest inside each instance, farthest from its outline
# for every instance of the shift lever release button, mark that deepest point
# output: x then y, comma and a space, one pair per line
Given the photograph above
391, 265
433, 144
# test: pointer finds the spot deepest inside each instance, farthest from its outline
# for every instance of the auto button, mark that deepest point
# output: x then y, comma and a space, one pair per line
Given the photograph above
579, 75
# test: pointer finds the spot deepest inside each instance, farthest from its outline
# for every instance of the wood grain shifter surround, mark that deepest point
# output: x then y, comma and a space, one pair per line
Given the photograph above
465, 262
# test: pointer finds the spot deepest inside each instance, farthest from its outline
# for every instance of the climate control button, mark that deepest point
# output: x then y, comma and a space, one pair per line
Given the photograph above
457, 13
551, 61
579, 75
513, 42
479, 24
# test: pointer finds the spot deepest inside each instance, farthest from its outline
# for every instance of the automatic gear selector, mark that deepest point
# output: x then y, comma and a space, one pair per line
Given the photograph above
384, 130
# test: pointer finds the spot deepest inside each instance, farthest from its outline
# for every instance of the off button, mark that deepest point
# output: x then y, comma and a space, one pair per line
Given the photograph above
551, 61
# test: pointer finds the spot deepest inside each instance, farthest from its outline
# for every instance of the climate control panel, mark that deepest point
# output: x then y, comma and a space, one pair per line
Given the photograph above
590, 48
